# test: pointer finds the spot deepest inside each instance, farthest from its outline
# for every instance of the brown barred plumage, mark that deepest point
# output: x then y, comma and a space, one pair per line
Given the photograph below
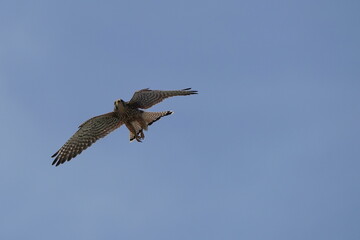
127, 113
146, 98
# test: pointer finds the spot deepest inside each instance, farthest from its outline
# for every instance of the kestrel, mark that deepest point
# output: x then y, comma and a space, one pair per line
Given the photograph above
127, 113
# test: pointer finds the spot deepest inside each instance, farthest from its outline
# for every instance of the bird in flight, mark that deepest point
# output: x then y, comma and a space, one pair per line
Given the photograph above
127, 113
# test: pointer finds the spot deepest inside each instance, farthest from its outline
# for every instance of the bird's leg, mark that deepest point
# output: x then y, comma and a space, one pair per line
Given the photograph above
141, 132
132, 129
142, 123
139, 136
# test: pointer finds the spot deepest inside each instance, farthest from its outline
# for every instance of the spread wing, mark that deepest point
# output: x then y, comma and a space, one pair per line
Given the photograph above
88, 133
146, 98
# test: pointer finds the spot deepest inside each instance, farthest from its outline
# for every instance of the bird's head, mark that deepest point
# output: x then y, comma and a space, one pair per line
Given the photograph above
119, 105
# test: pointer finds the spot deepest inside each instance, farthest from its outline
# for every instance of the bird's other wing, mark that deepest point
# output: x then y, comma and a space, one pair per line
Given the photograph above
146, 98
88, 133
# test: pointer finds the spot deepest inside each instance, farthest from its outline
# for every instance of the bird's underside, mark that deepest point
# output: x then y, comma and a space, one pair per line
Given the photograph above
127, 113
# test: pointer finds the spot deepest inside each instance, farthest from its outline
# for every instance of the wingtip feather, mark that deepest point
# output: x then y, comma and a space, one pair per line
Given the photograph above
190, 91
55, 154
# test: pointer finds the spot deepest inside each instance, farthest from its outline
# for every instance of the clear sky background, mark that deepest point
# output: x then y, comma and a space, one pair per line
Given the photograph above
268, 149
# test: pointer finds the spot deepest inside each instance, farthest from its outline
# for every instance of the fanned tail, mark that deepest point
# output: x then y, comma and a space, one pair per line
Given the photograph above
151, 117
148, 119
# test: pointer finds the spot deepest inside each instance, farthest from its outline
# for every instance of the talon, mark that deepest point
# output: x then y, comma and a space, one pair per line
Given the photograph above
142, 136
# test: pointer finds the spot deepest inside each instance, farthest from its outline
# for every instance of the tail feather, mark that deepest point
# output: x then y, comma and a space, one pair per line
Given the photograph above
151, 117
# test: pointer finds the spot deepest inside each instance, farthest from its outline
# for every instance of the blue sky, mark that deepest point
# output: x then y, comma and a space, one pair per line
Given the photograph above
268, 149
